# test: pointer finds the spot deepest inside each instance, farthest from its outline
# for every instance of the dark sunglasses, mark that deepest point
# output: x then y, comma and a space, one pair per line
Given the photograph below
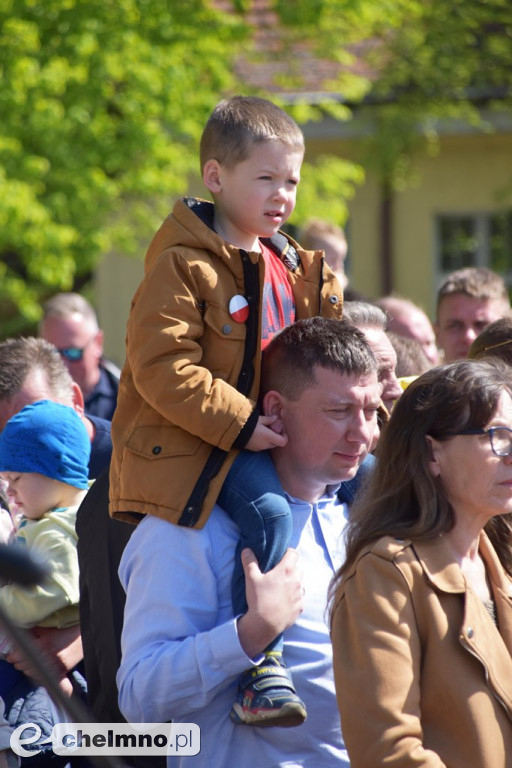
74, 354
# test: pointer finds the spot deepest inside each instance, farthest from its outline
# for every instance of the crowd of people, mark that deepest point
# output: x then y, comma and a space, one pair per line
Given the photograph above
289, 518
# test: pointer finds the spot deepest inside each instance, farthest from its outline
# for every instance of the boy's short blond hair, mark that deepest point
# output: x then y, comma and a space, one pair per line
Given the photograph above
241, 121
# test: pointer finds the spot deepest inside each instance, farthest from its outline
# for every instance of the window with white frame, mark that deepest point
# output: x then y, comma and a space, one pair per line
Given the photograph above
475, 240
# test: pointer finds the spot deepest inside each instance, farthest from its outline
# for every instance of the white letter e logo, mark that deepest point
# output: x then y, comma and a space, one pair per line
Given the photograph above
17, 741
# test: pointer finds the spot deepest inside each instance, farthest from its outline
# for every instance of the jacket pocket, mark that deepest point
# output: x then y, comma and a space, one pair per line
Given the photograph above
219, 321
155, 443
159, 469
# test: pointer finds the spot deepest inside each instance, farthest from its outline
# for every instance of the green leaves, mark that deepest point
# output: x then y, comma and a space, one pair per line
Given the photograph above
325, 189
102, 105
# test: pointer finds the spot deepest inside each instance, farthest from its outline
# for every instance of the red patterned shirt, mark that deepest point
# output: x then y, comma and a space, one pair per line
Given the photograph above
278, 308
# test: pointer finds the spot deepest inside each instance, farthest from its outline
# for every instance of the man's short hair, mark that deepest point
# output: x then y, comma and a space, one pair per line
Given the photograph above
477, 282
362, 314
318, 229
289, 361
19, 357
236, 124
411, 360
66, 304
397, 305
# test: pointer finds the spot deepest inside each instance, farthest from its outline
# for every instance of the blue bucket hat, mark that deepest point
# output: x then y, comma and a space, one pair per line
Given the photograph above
48, 438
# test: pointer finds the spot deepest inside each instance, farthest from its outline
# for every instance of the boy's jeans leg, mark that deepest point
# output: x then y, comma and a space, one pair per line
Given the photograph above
254, 499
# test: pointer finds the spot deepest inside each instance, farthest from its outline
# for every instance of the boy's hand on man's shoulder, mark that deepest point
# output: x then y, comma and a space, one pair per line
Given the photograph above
264, 436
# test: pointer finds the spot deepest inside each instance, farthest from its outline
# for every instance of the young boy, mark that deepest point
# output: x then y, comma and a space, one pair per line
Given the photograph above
44, 458
220, 281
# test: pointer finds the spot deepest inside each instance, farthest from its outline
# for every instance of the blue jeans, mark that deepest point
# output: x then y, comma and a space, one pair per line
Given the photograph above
253, 498
9, 677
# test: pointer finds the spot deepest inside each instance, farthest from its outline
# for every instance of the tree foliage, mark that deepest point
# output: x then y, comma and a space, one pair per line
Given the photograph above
422, 62
103, 103
451, 61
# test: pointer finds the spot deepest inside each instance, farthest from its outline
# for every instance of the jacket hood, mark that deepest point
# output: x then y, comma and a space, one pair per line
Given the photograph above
190, 225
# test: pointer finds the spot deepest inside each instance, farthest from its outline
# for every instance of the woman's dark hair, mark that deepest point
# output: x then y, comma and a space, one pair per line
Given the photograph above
403, 498
494, 341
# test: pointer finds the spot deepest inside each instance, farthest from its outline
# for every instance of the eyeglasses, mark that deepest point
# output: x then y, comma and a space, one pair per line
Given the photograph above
500, 437
74, 354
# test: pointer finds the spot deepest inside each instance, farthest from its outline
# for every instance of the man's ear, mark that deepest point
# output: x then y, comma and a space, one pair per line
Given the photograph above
433, 448
272, 405
78, 399
98, 344
211, 176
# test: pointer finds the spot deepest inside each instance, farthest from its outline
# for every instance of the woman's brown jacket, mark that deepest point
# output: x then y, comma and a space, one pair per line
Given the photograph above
423, 676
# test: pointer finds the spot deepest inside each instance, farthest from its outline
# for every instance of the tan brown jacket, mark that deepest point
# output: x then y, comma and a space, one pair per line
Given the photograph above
189, 387
423, 676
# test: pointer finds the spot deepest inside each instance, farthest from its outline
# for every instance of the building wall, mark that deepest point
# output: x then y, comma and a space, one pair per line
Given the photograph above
470, 175
117, 278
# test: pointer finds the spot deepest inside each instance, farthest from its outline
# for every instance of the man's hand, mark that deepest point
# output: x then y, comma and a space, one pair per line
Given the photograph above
265, 436
275, 600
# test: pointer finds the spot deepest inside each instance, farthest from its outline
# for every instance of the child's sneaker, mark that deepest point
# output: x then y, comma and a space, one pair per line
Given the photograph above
266, 696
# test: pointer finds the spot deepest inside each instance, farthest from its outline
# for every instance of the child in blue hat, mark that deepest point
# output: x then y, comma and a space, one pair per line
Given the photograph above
44, 458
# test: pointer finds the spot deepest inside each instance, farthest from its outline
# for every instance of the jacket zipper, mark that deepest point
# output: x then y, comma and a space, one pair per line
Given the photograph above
486, 672
215, 460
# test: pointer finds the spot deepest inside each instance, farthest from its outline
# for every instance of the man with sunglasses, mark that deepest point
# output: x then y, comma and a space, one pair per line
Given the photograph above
70, 324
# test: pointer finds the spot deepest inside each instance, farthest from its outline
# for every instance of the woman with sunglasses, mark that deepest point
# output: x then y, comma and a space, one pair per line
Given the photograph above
421, 611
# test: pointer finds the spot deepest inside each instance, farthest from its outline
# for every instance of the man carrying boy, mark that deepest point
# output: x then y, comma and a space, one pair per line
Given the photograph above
220, 281
183, 646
